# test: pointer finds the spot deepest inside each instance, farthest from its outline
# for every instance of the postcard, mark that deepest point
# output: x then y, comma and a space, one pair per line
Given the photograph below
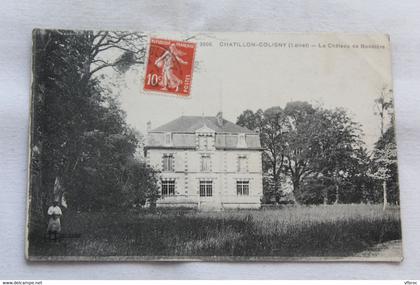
212, 147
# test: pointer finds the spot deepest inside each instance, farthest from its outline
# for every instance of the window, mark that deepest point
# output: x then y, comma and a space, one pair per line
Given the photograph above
168, 139
242, 164
168, 162
241, 140
205, 163
206, 188
204, 142
242, 188
168, 187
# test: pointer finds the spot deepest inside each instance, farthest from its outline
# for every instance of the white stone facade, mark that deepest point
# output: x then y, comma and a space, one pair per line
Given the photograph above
205, 173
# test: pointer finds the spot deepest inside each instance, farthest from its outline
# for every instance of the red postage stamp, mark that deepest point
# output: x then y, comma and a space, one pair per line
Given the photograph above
169, 67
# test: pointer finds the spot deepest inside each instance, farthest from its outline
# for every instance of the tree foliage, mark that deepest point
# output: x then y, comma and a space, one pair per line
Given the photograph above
271, 125
80, 138
384, 160
319, 150
384, 167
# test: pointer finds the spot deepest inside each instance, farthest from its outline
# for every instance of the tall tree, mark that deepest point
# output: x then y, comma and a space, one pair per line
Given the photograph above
384, 166
337, 146
386, 156
303, 142
305, 125
384, 108
358, 186
80, 140
272, 126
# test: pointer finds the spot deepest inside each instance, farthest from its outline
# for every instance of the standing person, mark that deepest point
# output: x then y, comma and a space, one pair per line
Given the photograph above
54, 225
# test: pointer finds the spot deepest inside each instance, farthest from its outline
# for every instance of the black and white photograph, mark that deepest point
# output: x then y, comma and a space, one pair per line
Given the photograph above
212, 147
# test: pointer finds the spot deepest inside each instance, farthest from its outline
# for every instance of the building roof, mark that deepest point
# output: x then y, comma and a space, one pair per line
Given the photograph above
189, 124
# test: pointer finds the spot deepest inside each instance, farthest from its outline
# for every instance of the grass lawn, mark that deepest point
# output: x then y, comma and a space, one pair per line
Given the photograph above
295, 231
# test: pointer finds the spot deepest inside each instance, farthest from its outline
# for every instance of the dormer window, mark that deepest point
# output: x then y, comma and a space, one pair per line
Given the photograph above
241, 140
202, 142
205, 138
168, 139
205, 142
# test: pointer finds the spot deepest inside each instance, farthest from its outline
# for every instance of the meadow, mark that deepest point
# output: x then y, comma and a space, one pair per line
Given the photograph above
290, 231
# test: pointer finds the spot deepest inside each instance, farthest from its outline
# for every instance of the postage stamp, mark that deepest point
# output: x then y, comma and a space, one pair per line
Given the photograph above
169, 66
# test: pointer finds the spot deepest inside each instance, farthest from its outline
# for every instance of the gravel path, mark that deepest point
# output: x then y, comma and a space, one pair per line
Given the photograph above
387, 249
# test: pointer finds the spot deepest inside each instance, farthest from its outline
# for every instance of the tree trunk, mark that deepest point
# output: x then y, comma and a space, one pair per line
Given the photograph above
276, 185
325, 198
385, 194
296, 185
337, 193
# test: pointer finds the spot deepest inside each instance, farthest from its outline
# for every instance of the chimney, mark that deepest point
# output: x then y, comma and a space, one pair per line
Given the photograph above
219, 119
148, 126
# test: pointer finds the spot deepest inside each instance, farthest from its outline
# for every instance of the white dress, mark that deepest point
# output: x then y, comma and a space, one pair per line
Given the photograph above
54, 224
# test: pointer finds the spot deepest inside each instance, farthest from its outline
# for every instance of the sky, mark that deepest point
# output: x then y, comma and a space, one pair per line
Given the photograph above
235, 73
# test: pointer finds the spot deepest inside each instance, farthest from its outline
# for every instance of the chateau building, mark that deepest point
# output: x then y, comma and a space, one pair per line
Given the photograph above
207, 163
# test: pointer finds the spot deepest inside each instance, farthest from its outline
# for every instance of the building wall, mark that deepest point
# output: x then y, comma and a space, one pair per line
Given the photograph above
224, 174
